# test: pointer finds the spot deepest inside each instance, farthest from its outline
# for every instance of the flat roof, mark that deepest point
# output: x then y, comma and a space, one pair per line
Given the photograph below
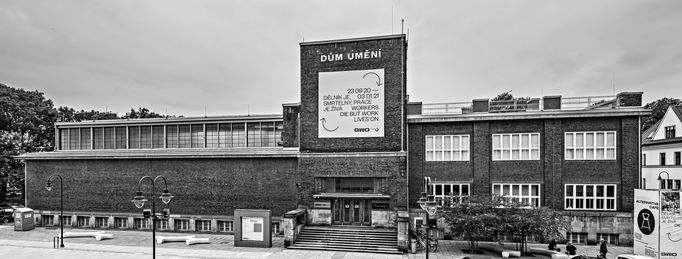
546, 114
235, 118
382, 37
245, 152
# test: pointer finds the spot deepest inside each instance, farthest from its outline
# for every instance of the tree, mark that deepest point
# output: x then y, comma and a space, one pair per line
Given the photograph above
475, 220
141, 113
658, 109
504, 96
26, 125
67, 114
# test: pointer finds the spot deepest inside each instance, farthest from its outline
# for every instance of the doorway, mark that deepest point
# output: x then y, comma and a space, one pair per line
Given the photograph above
352, 212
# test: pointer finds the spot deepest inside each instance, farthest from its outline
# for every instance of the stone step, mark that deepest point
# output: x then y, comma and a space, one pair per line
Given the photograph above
348, 241
384, 250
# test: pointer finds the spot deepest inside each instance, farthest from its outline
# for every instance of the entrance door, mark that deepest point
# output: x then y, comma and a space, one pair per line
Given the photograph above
352, 212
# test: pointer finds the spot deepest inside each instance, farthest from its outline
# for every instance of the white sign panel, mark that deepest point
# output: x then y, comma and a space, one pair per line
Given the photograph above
252, 228
647, 222
671, 225
351, 104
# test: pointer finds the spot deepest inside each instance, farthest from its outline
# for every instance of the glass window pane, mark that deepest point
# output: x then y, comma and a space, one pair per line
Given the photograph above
447, 155
600, 190
589, 191
515, 141
109, 138
439, 189
525, 190
610, 153
254, 134
121, 137
447, 142
515, 190
535, 154
505, 141
429, 155
211, 135
197, 132
535, 190
611, 139
447, 190
86, 141
465, 143
589, 153
184, 136
569, 190
579, 139
465, 155
497, 155
525, 154
505, 155
439, 142
579, 191
610, 191
525, 140
145, 137
535, 140
224, 135
505, 190
98, 138
238, 135
496, 189
429, 142
569, 140
134, 137
569, 154
589, 140
496, 142
600, 139
172, 136
465, 189
515, 154
74, 139
268, 134
279, 128
157, 136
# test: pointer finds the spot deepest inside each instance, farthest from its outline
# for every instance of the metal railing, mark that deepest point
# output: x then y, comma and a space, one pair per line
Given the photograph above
515, 105
586, 102
447, 108
521, 104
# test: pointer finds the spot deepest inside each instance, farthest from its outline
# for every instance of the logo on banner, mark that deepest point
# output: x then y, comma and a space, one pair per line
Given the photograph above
646, 222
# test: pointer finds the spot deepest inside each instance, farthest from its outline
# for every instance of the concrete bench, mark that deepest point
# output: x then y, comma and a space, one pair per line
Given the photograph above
500, 250
162, 239
193, 241
99, 235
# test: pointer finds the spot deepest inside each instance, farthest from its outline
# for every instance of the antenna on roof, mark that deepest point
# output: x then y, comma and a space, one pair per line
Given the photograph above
205, 111
613, 82
391, 19
402, 25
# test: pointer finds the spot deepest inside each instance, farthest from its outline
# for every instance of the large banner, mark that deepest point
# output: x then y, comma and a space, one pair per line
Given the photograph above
351, 104
647, 222
671, 225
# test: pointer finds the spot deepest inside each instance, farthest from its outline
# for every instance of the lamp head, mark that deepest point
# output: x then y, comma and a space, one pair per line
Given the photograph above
139, 200
166, 196
431, 207
48, 186
422, 200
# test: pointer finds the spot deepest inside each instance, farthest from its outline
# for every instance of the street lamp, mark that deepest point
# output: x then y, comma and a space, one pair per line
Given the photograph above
139, 201
428, 204
661, 179
48, 187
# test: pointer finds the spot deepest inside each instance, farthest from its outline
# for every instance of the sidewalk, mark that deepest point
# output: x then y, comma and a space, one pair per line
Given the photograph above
37, 243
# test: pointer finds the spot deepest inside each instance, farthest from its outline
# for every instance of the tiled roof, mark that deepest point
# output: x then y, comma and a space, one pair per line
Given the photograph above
678, 111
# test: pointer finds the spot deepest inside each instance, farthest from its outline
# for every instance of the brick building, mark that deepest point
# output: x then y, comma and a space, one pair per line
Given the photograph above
353, 151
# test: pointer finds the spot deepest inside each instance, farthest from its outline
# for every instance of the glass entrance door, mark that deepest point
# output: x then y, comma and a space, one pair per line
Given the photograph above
352, 212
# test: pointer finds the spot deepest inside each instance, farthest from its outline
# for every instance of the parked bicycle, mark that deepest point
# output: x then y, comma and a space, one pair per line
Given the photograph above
420, 236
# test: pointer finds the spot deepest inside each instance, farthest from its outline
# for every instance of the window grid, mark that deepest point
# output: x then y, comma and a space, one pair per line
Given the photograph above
447, 148
275, 227
594, 145
162, 224
670, 132
181, 224
450, 193
670, 184
82, 221
516, 146
171, 136
134, 137
157, 136
86, 140
576, 237
203, 225
225, 226
141, 223
121, 137
522, 193
590, 197
609, 238
678, 158
184, 136
74, 137
197, 135
67, 220
121, 222
212, 136
48, 220
101, 222
145, 137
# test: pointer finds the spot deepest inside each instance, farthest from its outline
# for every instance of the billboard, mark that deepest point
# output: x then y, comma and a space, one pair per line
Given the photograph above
351, 104
671, 225
658, 224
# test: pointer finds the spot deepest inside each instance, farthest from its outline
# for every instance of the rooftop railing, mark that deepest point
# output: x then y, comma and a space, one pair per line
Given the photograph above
586, 102
447, 108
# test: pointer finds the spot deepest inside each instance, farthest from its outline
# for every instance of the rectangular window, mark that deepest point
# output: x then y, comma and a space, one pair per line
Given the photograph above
590, 197
48, 220
224, 135
82, 221
275, 228
121, 222
184, 138
109, 138
98, 138
523, 193
74, 139
662, 158
64, 139
516, 146
145, 137
101, 222
86, 141
181, 224
670, 183
447, 148
121, 137
171, 136
157, 137
670, 132
238, 135
254, 134
576, 237
134, 137
212, 135
197, 136
448, 194
141, 223
203, 225
162, 224
594, 145
644, 159
67, 220
609, 238
268, 134
279, 127
677, 158
225, 226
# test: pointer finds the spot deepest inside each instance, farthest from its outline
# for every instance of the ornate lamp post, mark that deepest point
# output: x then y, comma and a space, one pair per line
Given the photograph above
428, 204
661, 179
139, 201
48, 187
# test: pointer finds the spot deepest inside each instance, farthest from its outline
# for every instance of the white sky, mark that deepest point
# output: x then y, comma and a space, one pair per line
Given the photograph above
234, 57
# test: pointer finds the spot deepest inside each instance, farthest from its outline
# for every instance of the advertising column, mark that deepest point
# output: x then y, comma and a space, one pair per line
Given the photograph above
646, 222
671, 225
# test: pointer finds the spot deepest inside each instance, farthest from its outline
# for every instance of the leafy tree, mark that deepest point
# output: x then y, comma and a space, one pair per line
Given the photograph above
70, 115
504, 96
141, 113
26, 125
475, 220
658, 109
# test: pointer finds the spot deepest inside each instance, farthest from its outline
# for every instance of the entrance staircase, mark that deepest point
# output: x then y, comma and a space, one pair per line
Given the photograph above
348, 239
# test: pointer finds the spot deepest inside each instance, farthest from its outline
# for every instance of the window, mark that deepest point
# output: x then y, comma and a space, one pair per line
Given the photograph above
197, 135
677, 158
447, 148
670, 132
225, 226
447, 194
162, 224
109, 138
101, 222
121, 222
64, 139
224, 135
670, 184
134, 137
74, 138
98, 138
418, 222
354, 184
662, 158
121, 137
597, 145
268, 134
576, 237
516, 146
141, 223
145, 137
643, 159
590, 197
157, 137
86, 141
212, 136
48, 220
203, 225
522, 193
67, 220
279, 127
184, 139
275, 228
181, 224
238, 135
172, 136
254, 134
609, 238
82, 221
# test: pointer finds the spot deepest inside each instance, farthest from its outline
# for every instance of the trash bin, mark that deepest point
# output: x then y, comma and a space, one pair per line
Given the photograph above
23, 219
413, 246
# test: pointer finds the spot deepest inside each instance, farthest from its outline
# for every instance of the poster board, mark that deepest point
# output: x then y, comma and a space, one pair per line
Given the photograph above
658, 223
252, 228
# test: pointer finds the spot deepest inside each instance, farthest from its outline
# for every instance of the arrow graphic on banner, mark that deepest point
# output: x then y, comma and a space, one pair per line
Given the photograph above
323, 120
378, 78
678, 240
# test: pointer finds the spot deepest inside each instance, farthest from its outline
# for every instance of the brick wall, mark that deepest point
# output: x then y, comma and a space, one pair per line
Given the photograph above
393, 52
200, 186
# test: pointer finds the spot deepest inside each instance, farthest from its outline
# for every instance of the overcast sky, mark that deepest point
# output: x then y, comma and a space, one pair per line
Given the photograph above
234, 57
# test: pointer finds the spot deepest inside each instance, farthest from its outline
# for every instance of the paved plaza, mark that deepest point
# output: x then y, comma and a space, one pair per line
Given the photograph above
38, 243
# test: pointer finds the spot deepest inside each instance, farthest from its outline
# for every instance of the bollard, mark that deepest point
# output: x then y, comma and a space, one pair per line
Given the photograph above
413, 246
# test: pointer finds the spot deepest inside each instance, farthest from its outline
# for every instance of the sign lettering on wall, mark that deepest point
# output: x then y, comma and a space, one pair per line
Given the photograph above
351, 104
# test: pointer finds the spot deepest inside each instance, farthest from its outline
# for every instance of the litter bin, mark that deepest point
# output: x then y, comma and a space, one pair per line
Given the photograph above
413, 246
23, 219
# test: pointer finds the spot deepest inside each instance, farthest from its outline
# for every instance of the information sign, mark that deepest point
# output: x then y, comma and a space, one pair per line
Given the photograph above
252, 228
